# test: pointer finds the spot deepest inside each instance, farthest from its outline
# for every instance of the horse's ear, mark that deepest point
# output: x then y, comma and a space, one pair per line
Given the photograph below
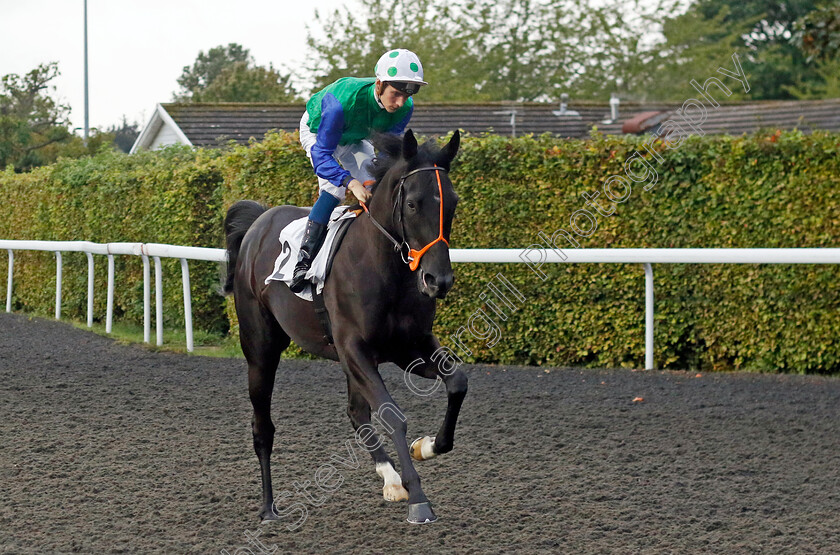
409, 146
388, 143
447, 153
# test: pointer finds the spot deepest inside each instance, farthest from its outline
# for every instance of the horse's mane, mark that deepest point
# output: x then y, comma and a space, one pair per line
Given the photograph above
389, 154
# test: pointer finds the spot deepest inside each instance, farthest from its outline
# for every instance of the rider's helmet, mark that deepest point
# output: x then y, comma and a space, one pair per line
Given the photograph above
401, 69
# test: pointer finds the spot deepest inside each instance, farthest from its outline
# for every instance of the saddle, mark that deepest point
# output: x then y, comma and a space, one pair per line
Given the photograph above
290, 238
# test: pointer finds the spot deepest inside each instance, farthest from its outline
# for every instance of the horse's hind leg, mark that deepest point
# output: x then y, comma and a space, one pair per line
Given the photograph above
358, 410
263, 340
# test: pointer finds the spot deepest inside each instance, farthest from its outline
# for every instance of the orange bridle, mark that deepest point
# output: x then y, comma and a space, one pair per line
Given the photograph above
413, 257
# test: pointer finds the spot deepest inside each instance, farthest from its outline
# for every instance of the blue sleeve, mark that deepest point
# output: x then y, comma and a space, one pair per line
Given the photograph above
329, 133
399, 129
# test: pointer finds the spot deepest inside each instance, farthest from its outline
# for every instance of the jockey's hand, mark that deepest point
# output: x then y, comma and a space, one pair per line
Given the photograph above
359, 190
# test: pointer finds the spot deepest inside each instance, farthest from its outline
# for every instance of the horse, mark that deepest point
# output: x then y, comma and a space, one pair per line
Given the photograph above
381, 296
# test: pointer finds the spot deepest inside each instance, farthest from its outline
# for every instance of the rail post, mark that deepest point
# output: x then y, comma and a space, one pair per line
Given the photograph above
90, 290
158, 302
185, 276
147, 326
109, 310
57, 285
648, 316
9, 280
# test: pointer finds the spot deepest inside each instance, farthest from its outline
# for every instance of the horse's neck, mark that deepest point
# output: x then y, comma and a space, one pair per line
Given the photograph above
369, 245
381, 206
369, 242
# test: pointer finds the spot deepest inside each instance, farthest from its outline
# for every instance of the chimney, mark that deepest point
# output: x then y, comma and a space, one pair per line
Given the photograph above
564, 108
614, 102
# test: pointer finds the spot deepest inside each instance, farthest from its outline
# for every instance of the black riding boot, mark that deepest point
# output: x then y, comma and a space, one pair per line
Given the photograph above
313, 238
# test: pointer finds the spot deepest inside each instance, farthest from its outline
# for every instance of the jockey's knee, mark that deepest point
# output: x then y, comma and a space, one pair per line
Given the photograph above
323, 208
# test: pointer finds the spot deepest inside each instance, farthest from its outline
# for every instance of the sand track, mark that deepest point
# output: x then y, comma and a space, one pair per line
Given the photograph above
113, 448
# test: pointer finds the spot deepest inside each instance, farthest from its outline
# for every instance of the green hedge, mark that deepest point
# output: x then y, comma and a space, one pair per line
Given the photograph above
174, 196
766, 190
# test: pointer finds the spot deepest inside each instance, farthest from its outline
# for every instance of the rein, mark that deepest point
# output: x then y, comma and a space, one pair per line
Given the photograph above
411, 256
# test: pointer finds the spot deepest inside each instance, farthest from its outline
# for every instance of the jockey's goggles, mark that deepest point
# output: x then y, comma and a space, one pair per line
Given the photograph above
405, 86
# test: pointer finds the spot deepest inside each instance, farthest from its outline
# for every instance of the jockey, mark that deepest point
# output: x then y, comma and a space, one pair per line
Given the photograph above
335, 131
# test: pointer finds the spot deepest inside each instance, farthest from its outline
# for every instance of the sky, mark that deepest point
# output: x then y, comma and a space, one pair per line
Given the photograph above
138, 48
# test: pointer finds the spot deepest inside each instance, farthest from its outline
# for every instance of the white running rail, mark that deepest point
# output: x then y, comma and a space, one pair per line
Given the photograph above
534, 258
144, 250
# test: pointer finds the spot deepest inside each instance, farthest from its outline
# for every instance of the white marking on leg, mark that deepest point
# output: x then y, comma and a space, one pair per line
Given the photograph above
387, 473
393, 489
427, 448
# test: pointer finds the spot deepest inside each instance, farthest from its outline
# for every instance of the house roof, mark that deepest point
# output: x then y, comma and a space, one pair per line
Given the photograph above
210, 124
807, 115
206, 124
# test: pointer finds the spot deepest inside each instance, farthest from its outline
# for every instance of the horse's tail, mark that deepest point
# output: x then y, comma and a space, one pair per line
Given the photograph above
239, 218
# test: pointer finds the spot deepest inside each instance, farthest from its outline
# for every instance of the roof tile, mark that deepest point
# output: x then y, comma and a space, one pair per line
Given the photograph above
215, 123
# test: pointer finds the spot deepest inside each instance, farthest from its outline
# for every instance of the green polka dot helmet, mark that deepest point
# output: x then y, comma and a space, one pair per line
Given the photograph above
402, 69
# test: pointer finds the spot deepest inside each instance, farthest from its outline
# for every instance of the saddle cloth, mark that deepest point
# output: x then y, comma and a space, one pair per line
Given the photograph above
291, 237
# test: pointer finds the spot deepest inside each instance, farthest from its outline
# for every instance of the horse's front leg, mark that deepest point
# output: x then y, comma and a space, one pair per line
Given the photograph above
361, 369
432, 362
358, 410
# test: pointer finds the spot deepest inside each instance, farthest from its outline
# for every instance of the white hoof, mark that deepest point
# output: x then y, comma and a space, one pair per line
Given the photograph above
423, 449
395, 492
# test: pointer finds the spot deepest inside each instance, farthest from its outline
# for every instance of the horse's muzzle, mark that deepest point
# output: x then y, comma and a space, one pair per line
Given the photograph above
435, 286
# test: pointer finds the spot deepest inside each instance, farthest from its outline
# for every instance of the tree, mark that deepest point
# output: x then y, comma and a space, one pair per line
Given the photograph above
524, 47
208, 66
758, 29
353, 45
125, 134
818, 33
619, 49
689, 46
239, 82
229, 74
535, 49
470, 49
818, 37
30, 119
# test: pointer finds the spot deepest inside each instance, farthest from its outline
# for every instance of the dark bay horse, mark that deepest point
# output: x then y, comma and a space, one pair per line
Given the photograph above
381, 309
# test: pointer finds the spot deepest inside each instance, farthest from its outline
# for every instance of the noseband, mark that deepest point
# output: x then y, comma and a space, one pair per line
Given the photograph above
411, 256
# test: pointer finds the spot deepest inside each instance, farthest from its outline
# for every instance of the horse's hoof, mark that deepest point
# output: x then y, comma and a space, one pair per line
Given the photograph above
267, 514
395, 492
423, 449
421, 513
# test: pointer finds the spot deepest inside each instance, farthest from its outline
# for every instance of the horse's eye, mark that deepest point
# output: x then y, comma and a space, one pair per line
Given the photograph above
411, 205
